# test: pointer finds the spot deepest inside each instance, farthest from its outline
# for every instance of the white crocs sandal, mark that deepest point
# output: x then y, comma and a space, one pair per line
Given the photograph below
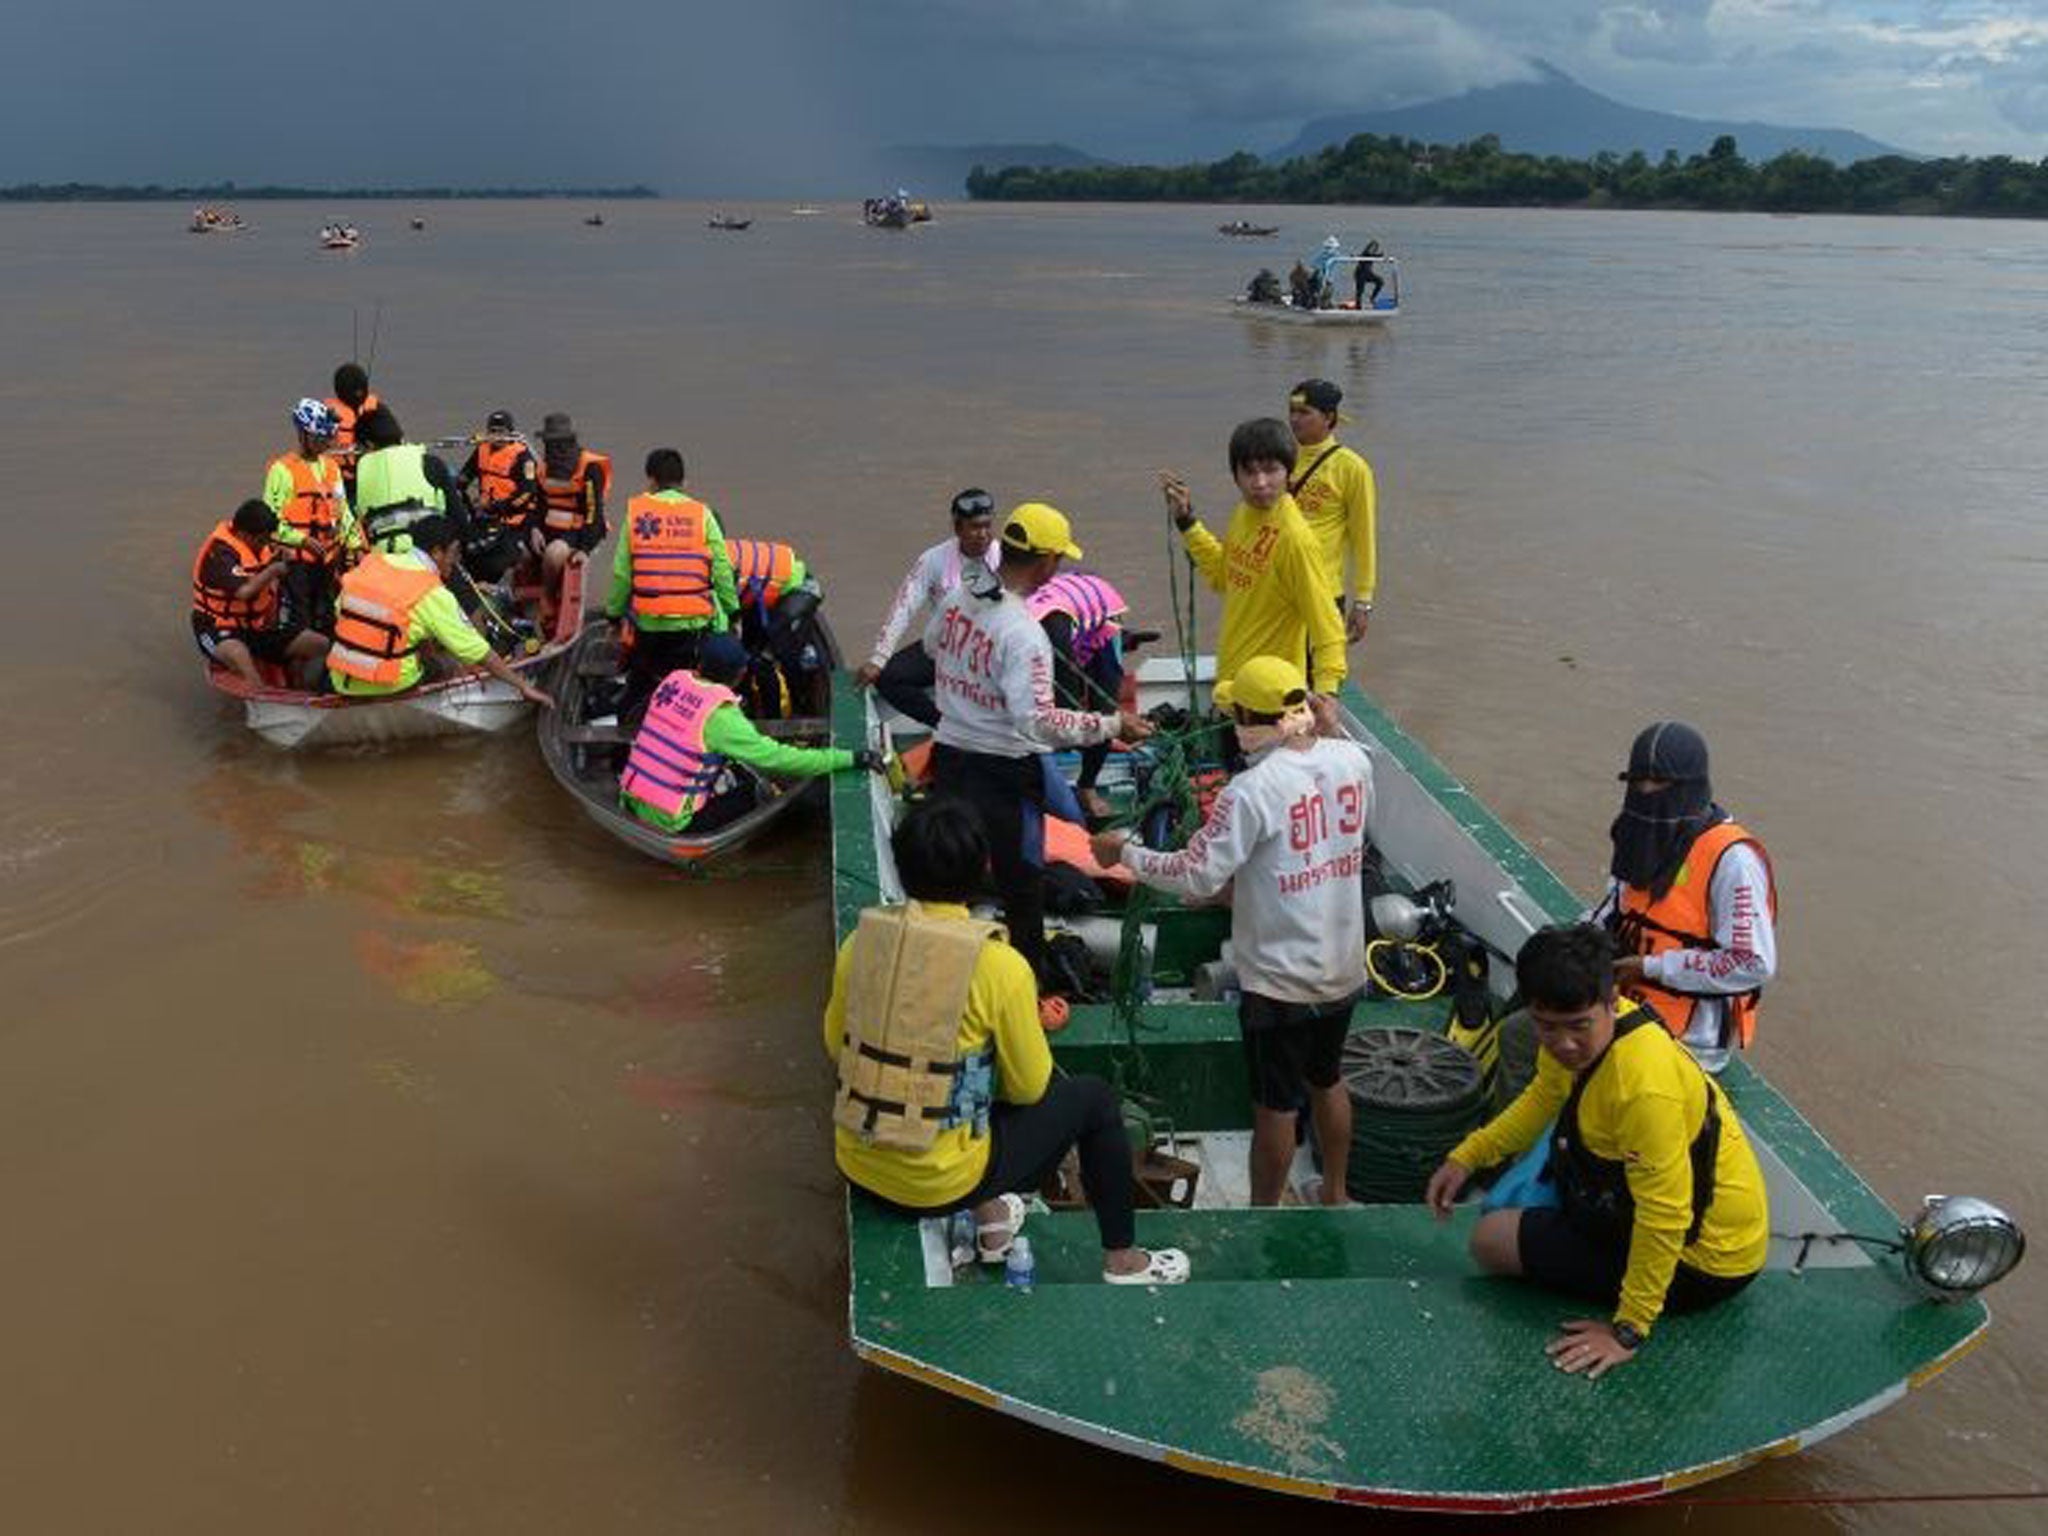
1166, 1266
992, 1239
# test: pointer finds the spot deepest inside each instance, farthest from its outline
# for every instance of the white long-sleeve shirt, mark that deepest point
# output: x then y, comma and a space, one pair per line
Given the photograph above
994, 683
1290, 831
1745, 953
936, 574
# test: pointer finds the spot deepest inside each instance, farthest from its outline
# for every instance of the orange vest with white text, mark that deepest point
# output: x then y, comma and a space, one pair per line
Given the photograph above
760, 569
373, 619
568, 501
315, 507
1682, 919
224, 610
669, 545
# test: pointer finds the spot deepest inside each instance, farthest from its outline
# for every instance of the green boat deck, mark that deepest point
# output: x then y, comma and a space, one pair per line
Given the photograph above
1355, 1354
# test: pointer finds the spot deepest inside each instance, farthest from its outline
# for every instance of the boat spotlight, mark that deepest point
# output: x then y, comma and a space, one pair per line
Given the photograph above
1957, 1245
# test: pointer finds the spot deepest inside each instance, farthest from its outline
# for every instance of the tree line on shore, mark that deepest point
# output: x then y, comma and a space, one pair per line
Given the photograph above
1369, 168
227, 191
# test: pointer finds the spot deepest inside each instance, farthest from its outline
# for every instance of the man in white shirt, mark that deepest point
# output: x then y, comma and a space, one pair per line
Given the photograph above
994, 687
1288, 837
904, 678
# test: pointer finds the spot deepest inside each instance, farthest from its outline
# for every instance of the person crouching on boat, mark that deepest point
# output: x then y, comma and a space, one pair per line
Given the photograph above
946, 1098
315, 525
677, 775
237, 617
671, 578
1287, 836
395, 624
904, 677
1082, 615
998, 714
1659, 1202
777, 598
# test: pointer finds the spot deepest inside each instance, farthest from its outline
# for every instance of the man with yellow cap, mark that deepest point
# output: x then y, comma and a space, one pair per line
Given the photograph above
1288, 837
997, 712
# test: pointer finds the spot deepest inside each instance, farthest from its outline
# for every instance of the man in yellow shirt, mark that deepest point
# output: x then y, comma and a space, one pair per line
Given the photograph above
933, 1115
1660, 1202
1333, 486
1275, 599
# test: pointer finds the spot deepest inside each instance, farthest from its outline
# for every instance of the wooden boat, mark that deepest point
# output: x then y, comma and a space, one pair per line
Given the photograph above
1354, 1354
340, 237
722, 221
1245, 227
1375, 312
470, 701
584, 747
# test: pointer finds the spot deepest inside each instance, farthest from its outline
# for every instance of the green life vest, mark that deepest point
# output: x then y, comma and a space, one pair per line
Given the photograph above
393, 492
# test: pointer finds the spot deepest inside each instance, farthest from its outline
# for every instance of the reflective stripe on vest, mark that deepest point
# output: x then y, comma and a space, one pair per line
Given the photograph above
669, 546
902, 1075
568, 504
760, 569
373, 618
393, 491
1092, 603
1682, 918
670, 770
316, 502
224, 610
496, 482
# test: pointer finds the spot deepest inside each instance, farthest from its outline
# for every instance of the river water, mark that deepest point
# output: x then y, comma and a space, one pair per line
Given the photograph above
385, 1149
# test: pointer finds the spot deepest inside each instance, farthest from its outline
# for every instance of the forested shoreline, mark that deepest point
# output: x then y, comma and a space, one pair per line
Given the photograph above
1372, 169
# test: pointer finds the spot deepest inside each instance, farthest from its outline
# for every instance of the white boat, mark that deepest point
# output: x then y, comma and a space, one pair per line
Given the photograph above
340, 237
1374, 312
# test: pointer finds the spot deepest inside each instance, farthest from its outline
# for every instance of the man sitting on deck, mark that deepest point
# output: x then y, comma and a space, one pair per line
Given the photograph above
947, 1099
237, 619
394, 606
1288, 837
1660, 1202
676, 775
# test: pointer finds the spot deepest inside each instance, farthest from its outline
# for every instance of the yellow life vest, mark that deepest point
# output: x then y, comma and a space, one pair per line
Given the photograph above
902, 1075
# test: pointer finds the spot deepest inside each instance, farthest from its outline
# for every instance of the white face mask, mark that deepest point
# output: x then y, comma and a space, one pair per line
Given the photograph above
1293, 728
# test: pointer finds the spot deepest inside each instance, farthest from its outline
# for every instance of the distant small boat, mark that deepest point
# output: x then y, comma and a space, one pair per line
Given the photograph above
1243, 227
216, 221
1266, 299
340, 237
418, 223
595, 221
805, 210
720, 221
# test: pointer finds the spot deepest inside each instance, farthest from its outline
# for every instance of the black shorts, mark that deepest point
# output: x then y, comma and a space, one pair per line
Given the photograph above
583, 540
1563, 1256
1290, 1048
264, 644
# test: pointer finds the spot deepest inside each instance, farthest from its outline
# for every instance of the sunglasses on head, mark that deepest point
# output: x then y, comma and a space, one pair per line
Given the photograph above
979, 505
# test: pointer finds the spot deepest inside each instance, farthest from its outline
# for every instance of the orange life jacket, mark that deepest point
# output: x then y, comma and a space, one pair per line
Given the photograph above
670, 770
497, 483
315, 507
760, 569
1681, 919
373, 619
222, 609
347, 415
669, 545
568, 506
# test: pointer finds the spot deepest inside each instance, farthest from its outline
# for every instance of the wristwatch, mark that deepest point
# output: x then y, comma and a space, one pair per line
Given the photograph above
1627, 1335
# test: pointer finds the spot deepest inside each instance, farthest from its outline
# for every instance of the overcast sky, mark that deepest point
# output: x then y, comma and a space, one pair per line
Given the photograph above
776, 96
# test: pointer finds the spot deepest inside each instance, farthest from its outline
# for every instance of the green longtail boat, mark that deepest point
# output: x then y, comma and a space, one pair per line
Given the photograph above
1355, 1354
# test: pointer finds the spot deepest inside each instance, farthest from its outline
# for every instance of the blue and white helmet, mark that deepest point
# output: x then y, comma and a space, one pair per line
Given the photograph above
315, 418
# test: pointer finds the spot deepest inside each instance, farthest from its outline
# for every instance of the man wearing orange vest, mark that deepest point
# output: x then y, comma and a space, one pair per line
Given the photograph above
672, 579
350, 401
393, 607
237, 619
1690, 900
315, 526
777, 599
678, 774
573, 483
503, 488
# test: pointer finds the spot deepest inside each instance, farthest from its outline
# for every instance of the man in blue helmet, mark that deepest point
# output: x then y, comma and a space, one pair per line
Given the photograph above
316, 529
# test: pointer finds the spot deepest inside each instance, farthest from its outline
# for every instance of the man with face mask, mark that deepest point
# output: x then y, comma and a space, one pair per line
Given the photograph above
1690, 898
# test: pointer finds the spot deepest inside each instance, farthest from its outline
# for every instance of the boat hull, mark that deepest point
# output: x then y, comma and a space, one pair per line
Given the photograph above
1287, 314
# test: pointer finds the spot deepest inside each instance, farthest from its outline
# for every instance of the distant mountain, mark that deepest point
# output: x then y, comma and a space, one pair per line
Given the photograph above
1555, 115
940, 170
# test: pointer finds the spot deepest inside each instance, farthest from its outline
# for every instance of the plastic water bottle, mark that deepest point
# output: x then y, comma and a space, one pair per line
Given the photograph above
960, 1239
1020, 1269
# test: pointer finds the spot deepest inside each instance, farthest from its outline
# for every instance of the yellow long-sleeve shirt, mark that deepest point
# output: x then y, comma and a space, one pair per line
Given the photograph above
1642, 1107
1275, 601
1002, 1007
1339, 501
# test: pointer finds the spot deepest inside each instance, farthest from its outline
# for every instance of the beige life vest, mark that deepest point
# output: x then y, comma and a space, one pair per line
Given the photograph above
902, 1078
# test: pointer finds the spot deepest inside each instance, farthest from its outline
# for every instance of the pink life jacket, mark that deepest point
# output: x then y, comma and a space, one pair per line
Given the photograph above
670, 770
1092, 603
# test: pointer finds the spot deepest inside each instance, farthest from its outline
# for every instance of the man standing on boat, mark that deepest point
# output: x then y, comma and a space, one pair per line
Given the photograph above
1333, 485
1657, 1203
399, 484
351, 401
997, 712
1287, 836
672, 579
315, 525
1275, 599
904, 678
394, 612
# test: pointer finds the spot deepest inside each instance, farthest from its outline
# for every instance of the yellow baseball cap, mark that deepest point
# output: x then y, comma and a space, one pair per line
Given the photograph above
1038, 529
1265, 685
